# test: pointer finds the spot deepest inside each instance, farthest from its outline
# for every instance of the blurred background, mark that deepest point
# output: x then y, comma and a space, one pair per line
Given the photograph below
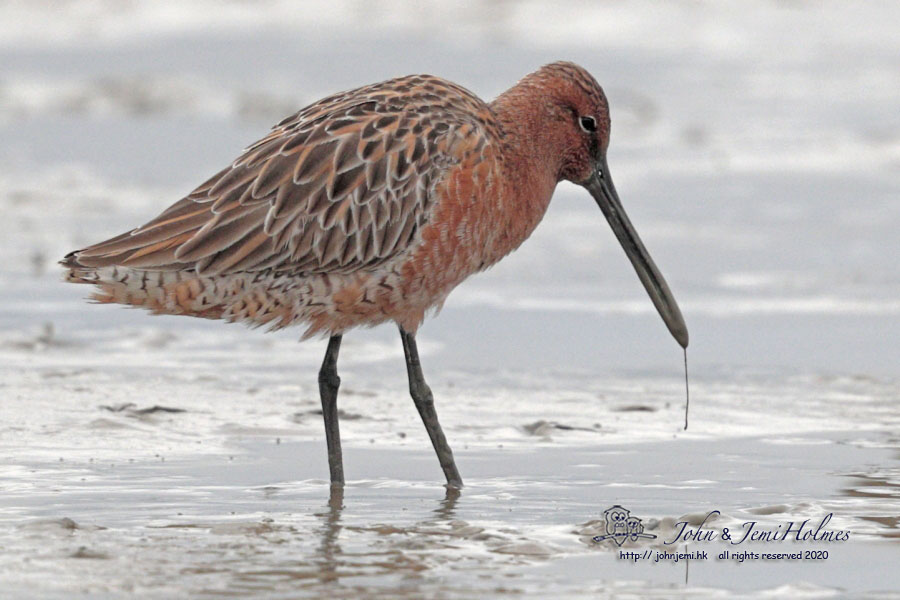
756, 147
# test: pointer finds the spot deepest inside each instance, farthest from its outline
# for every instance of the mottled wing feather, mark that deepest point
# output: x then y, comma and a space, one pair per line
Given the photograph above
341, 185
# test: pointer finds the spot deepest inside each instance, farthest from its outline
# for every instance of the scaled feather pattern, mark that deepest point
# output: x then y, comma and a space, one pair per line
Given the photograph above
366, 206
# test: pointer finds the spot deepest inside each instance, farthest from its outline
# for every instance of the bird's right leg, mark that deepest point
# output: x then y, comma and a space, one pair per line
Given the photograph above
329, 382
424, 401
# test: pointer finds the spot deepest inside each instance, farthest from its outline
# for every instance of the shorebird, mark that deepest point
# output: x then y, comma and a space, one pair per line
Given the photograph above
372, 205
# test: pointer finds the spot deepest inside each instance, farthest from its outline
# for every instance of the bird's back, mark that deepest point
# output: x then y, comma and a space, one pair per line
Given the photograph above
336, 196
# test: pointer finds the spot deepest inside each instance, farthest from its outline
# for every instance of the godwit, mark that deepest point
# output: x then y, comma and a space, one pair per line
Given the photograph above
371, 205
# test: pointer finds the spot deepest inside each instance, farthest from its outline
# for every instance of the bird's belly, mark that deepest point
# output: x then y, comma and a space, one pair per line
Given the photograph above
326, 303
333, 303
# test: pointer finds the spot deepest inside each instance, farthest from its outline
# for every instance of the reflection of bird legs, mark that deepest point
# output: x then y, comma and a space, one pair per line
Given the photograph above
329, 550
448, 504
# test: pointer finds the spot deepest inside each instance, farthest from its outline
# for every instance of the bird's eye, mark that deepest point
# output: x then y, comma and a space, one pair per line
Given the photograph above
589, 124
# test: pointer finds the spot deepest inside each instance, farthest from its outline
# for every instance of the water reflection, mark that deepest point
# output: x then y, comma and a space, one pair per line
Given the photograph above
333, 563
329, 549
447, 509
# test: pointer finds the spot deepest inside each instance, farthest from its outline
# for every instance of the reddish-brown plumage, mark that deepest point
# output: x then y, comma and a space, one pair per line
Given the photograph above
367, 206
372, 205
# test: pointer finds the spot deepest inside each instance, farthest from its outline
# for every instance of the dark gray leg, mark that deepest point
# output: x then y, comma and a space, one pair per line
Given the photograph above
424, 400
328, 389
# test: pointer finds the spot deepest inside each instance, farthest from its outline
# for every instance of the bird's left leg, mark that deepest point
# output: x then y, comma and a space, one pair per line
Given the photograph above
329, 382
424, 400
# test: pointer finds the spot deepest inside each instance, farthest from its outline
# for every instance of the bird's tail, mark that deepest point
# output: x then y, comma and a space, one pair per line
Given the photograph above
161, 292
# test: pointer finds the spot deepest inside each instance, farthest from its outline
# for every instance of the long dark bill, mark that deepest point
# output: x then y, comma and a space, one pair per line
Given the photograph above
601, 187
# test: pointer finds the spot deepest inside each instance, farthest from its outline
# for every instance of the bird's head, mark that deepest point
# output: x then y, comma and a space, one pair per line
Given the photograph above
579, 114
579, 127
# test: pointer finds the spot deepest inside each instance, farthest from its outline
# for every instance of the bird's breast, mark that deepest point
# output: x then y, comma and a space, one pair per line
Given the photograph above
478, 219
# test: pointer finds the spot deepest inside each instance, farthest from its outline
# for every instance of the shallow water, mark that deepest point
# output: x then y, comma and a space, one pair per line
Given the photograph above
756, 150
116, 479
259, 520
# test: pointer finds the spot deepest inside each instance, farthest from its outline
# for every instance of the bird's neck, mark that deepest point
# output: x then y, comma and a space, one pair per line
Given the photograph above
531, 137
531, 158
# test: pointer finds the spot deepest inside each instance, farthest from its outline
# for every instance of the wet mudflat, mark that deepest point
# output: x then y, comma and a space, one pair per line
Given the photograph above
217, 484
239, 524
162, 457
